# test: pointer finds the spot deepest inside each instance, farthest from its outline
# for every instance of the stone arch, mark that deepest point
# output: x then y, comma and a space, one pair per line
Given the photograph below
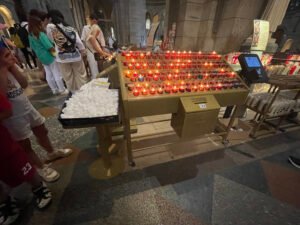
7, 15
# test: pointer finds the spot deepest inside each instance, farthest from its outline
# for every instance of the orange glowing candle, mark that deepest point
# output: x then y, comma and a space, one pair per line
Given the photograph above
175, 89
136, 92
155, 77
152, 91
144, 91
181, 88
169, 77
160, 90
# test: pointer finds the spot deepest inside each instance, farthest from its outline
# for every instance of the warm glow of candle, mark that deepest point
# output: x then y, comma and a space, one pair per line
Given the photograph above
152, 91
155, 77
175, 89
169, 77
136, 92
160, 90
144, 91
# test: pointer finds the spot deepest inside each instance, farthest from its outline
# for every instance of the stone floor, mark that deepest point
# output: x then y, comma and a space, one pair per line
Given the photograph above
174, 182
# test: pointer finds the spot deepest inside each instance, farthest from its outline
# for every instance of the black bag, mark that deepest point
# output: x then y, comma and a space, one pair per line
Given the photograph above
23, 34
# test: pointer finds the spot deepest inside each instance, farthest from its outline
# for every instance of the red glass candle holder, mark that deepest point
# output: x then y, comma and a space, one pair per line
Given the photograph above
145, 91
181, 88
155, 78
175, 89
152, 91
136, 92
160, 90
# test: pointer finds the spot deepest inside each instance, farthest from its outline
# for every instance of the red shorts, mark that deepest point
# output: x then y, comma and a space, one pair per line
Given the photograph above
16, 169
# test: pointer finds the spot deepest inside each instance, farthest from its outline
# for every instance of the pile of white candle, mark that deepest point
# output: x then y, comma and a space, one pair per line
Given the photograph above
94, 99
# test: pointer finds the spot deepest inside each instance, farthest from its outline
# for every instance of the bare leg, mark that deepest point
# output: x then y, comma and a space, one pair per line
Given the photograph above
41, 134
34, 159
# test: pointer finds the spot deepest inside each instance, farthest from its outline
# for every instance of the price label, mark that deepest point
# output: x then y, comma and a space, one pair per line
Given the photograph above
202, 106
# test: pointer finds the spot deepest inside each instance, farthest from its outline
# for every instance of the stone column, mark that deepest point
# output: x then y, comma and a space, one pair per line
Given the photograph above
120, 18
137, 22
275, 12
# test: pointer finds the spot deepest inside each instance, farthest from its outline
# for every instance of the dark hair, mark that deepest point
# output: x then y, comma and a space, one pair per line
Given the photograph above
12, 30
35, 25
57, 17
93, 16
42, 15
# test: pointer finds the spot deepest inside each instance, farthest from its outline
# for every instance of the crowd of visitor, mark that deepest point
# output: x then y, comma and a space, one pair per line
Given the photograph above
66, 58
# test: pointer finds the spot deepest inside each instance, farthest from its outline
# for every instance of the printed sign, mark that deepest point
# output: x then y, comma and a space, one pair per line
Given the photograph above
202, 106
260, 35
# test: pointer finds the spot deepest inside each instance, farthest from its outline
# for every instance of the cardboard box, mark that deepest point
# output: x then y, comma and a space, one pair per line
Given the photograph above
196, 116
235, 133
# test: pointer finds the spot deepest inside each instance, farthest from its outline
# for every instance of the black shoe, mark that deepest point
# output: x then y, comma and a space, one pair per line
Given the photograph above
9, 212
43, 196
295, 161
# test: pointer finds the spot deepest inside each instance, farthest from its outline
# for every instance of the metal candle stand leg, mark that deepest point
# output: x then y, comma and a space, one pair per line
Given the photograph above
107, 166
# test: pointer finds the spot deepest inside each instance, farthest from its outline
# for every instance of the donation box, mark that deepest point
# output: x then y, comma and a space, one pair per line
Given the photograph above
196, 116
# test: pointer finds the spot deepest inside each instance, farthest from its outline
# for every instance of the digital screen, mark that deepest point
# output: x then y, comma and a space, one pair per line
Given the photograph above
252, 61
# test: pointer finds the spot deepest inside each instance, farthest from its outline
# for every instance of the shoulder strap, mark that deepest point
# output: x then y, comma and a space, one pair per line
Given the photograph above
63, 33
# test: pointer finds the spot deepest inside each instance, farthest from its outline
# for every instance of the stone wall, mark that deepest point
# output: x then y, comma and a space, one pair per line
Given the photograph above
197, 18
62, 5
130, 21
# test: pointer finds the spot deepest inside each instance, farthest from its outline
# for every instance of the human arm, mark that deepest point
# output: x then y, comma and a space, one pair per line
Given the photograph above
18, 76
3, 79
94, 42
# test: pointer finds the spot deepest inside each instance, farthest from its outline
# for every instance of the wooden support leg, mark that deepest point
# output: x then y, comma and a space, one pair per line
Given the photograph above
105, 142
225, 137
108, 165
128, 142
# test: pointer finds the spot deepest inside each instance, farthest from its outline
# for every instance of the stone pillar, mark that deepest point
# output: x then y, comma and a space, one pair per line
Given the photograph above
137, 22
121, 21
275, 12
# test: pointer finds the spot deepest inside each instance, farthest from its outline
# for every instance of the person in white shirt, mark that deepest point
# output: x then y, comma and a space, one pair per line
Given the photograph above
95, 43
70, 51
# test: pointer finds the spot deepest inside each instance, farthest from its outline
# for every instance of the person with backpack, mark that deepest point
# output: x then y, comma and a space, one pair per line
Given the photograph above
45, 51
22, 32
70, 51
